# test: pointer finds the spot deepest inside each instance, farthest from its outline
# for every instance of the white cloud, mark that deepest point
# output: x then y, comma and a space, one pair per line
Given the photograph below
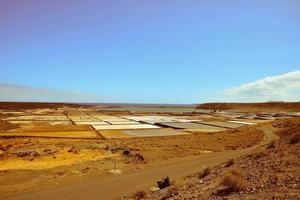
285, 87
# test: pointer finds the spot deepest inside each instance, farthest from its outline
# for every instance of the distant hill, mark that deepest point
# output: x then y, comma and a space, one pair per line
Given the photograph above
34, 105
267, 106
16, 93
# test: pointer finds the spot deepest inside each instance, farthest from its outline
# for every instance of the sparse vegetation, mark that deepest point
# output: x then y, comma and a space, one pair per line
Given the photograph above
97, 155
263, 179
235, 180
204, 173
295, 138
272, 144
259, 155
172, 191
190, 184
139, 195
229, 163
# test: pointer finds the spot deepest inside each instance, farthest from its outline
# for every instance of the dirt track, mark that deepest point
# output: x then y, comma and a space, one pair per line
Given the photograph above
113, 187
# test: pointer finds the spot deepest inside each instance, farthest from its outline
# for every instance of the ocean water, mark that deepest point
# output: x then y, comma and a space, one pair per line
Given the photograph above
155, 109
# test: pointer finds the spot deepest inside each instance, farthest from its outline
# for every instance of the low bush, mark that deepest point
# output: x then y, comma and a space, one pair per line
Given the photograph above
235, 180
295, 138
139, 195
171, 192
259, 155
272, 144
204, 173
229, 163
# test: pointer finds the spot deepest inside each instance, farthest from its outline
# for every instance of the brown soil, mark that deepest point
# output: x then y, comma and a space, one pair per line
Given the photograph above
58, 127
52, 156
270, 173
165, 148
28, 164
253, 107
31, 105
5, 126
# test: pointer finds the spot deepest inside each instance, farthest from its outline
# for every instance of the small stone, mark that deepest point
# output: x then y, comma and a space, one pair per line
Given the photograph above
154, 189
115, 172
85, 169
163, 183
73, 150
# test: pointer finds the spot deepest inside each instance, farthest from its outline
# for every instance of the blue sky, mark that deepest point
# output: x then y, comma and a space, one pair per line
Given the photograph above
142, 51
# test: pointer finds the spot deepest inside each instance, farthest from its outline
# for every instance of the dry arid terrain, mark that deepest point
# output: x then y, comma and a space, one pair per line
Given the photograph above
254, 107
271, 172
52, 150
35, 162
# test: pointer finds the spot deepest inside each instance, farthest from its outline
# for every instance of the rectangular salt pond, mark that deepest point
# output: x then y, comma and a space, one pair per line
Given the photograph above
195, 126
154, 133
223, 124
83, 118
132, 126
91, 123
110, 118
110, 134
242, 122
123, 122
152, 119
151, 109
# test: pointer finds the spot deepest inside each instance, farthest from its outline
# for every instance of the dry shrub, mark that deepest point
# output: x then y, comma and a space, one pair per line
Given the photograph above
295, 138
188, 182
204, 173
139, 195
235, 180
286, 133
173, 182
259, 155
229, 163
271, 145
285, 124
171, 192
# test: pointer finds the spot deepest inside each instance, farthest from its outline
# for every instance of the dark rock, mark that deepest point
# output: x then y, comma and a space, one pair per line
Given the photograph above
126, 152
163, 183
139, 157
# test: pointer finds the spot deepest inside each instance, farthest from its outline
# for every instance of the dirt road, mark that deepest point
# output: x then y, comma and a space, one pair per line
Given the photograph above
113, 187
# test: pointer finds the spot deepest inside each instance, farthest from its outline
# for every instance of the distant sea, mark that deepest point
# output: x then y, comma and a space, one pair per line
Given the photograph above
159, 108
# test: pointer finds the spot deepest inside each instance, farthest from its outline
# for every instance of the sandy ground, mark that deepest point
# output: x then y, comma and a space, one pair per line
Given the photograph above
107, 187
38, 166
60, 160
269, 173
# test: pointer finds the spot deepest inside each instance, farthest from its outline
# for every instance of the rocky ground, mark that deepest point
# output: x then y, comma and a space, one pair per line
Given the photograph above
271, 173
55, 161
5, 126
254, 107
